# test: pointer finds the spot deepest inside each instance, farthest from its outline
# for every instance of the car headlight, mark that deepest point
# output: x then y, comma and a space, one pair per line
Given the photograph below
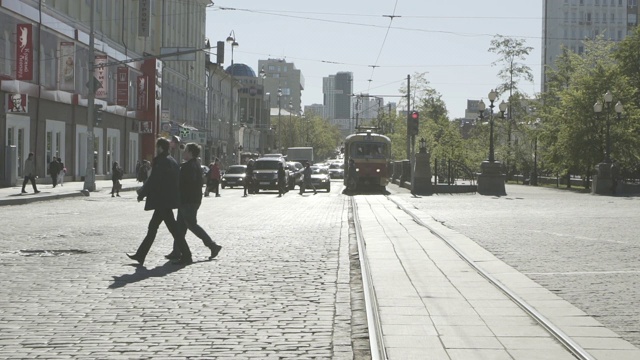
357, 169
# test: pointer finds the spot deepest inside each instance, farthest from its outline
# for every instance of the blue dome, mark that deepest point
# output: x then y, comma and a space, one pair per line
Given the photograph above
240, 70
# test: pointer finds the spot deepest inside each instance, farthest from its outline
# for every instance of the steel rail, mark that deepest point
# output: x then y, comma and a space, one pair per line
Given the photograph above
556, 332
374, 326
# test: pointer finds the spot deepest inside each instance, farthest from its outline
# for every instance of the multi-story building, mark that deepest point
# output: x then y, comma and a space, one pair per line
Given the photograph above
314, 110
566, 23
44, 59
337, 93
282, 75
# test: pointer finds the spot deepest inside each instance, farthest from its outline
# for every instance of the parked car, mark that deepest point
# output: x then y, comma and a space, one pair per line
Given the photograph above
295, 174
320, 178
336, 170
234, 176
265, 173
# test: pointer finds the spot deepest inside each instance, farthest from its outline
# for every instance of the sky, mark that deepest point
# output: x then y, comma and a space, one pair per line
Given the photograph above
383, 41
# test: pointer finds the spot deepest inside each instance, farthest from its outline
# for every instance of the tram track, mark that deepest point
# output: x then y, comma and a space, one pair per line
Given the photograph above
373, 317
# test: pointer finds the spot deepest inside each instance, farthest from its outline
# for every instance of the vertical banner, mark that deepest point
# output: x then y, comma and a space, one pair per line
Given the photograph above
142, 86
100, 73
66, 66
122, 86
143, 21
24, 52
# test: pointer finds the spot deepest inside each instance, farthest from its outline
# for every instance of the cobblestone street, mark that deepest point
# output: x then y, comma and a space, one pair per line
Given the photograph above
278, 289
584, 248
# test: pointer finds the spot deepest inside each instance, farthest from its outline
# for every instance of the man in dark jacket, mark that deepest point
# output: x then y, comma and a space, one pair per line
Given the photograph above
190, 200
163, 194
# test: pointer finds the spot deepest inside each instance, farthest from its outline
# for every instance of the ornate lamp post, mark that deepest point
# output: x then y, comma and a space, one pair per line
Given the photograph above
231, 39
491, 180
603, 183
291, 144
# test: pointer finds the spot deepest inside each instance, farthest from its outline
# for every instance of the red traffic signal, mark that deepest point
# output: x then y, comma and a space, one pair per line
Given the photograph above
414, 121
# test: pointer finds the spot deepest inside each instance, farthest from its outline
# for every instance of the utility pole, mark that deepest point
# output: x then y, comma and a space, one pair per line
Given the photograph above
90, 175
408, 116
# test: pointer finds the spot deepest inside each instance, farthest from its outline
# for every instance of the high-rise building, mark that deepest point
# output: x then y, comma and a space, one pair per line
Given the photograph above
566, 23
337, 93
280, 74
314, 110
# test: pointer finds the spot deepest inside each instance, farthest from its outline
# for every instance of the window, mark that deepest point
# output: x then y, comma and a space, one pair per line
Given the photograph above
597, 2
566, 16
604, 18
619, 34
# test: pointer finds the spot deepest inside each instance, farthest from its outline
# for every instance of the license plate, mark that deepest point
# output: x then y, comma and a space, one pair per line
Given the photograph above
264, 183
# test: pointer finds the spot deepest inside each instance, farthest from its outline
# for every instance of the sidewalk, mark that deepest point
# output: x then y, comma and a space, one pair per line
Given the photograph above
13, 195
432, 304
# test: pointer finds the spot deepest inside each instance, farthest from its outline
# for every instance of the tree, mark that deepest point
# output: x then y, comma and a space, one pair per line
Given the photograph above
511, 53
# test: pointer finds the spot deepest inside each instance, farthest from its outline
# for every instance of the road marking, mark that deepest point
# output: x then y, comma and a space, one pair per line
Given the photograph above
587, 272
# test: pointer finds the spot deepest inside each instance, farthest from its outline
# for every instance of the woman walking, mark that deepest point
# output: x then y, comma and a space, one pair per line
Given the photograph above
116, 176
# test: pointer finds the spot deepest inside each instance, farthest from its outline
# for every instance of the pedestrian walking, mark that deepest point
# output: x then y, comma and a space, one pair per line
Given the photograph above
116, 176
138, 166
162, 193
29, 174
190, 201
248, 179
62, 173
282, 180
53, 171
306, 181
213, 178
144, 171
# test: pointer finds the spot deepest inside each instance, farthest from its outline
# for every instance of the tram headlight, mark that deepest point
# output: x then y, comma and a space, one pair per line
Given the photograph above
357, 169
377, 170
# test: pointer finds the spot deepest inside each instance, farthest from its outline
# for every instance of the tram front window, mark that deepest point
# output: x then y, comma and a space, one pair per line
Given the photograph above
369, 150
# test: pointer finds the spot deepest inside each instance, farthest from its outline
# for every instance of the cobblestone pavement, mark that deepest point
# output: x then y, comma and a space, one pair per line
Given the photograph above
279, 288
585, 248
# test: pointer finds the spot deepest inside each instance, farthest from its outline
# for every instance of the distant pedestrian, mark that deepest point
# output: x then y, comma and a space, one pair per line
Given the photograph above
163, 194
306, 181
213, 178
29, 171
282, 180
248, 179
190, 201
62, 173
138, 166
116, 176
614, 177
54, 169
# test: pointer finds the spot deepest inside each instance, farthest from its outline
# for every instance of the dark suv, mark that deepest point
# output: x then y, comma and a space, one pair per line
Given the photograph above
265, 172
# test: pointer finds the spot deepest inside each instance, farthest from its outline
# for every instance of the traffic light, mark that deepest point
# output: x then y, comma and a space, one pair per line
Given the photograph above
413, 122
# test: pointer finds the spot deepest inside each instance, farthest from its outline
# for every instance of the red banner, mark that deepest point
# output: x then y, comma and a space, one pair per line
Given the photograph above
142, 86
122, 86
24, 52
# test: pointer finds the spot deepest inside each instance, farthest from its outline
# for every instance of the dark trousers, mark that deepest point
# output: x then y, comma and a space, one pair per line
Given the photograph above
54, 179
115, 188
305, 185
160, 215
188, 220
282, 186
212, 186
33, 182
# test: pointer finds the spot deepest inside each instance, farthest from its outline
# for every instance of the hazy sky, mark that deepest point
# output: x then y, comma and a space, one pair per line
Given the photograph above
447, 39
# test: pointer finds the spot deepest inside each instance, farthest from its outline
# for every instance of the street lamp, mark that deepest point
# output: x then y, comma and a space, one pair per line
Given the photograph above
491, 180
291, 123
423, 146
597, 108
279, 117
231, 39
534, 176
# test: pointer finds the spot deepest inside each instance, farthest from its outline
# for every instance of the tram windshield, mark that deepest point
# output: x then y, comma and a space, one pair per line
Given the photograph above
369, 150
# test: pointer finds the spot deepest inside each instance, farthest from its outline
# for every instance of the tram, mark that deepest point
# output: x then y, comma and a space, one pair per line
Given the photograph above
371, 153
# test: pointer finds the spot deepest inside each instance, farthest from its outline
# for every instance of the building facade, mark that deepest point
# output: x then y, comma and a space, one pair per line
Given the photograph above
566, 23
337, 93
280, 74
45, 62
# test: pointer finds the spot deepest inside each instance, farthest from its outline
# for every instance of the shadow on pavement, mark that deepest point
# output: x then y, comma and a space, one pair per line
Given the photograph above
143, 273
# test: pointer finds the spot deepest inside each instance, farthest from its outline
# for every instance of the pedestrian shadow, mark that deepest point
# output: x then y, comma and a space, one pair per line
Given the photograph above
143, 273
